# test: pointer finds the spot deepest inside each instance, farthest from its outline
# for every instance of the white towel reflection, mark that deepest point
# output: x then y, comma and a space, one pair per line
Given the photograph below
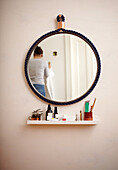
49, 83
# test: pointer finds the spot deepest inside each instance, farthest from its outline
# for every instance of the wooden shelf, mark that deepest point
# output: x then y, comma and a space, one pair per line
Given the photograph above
44, 122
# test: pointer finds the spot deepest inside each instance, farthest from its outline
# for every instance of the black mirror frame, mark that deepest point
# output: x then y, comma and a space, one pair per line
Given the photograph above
60, 31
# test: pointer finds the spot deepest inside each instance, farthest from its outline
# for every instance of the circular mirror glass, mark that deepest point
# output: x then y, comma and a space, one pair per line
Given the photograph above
68, 68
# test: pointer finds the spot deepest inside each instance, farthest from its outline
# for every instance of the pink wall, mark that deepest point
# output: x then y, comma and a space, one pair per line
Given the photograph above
57, 147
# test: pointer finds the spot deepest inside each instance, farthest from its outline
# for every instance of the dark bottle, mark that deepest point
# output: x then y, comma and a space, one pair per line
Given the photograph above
49, 110
33, 116
55, 113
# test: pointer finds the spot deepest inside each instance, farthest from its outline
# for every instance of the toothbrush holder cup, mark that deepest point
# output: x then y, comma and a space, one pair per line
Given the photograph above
88, 115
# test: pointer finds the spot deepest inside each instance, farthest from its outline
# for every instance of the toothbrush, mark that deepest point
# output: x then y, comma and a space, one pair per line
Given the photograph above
93, 105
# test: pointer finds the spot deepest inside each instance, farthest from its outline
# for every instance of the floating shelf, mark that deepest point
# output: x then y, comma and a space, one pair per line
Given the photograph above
44, 122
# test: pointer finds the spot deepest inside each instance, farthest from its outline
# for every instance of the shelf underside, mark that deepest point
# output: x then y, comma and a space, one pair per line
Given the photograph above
43, 122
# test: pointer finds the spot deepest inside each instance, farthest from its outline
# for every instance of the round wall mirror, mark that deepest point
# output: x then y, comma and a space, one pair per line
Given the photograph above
72, 63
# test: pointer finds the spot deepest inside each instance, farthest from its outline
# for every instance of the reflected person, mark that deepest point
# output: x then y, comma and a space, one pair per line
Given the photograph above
38, 70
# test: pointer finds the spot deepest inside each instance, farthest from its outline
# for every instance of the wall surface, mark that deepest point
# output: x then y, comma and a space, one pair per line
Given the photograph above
57, 147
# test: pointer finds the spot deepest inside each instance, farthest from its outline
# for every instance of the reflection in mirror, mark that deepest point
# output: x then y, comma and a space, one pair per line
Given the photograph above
71, 64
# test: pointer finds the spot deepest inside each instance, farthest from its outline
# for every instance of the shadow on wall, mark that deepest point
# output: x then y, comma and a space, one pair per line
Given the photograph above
55, 128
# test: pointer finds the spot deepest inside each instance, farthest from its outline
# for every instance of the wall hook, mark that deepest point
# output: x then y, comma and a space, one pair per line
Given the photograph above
61, 21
